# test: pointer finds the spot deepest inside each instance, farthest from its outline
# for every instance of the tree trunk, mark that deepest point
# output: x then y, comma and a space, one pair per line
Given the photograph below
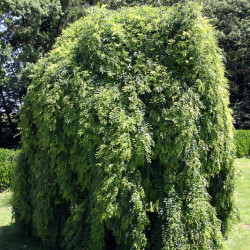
7, 111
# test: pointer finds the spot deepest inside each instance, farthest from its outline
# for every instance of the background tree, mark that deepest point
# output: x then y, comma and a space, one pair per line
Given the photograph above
28, 30
231, 19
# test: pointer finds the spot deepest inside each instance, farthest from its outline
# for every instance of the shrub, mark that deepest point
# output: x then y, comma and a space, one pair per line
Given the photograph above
127, 136
242, 141
7, 164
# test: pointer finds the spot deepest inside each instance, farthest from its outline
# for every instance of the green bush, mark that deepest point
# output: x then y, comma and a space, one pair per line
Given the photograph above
7, 164
127, 135
242, 141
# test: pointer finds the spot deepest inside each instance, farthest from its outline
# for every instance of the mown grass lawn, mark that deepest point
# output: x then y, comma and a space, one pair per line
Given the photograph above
9, 240
239, 237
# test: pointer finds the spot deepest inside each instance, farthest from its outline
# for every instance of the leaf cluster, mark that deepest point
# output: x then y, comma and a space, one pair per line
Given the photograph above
8, 160
242, 141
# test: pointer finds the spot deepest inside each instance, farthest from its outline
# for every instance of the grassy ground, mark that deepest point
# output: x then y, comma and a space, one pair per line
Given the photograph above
9, 240
239, 238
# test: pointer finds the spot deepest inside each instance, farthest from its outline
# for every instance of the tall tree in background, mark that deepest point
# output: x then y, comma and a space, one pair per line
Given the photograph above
29, 28
231, 19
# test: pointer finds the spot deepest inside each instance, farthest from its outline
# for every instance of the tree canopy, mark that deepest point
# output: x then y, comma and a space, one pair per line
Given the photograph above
127, 135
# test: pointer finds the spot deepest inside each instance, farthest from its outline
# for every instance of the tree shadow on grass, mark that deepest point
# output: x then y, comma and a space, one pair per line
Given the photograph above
10, 240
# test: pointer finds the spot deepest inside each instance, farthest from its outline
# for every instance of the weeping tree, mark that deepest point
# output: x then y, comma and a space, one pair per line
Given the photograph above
127, 135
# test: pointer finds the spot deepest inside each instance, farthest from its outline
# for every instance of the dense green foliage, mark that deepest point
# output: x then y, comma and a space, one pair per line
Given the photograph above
127, 135
242, 139
29, 28
7, 164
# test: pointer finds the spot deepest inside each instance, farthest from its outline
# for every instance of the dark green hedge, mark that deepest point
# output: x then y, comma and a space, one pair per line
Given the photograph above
127, 136
242, 139
8, 160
